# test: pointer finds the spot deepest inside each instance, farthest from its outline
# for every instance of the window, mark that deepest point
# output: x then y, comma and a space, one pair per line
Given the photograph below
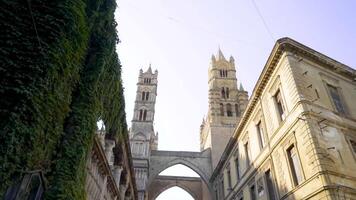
270, 185
260, 187
229, 178
237, 166
223, 73
336, 98
353, 145
143, 96
252, 192
227, 93
147, 80
294, 165
260, 135
237, 110
147, 95
144, 115
223, 94
247, 154
222, 109
228, 110
141, 114
280, 105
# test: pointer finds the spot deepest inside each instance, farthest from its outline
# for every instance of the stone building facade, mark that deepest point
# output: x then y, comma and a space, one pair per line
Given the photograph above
110, 174
227, 102
297, 136
143, 138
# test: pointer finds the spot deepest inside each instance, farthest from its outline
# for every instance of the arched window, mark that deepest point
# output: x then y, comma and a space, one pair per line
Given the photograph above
237, 110
221, 73
228, 110
225, 73
147, 95
143, 96
223, 93
222, 109
227, 93
141, 115
144, 115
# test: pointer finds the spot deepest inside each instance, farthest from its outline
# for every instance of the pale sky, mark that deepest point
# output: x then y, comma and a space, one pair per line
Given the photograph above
178, 38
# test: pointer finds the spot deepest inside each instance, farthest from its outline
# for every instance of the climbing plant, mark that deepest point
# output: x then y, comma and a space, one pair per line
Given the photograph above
59, 74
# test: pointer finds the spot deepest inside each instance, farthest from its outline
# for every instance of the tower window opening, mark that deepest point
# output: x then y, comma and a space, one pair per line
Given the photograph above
143, 96
222, 109
141, 114
147, 80
223, 94
227, 93
228, 110
144, 115
147, 95
223, 73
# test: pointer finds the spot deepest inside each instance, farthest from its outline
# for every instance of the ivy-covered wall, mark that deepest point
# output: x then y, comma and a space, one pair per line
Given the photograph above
59, 74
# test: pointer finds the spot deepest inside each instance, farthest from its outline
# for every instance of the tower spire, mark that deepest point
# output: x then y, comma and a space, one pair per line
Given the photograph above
220, 55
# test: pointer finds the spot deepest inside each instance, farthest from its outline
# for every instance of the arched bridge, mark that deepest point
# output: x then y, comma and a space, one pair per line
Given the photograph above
200, 162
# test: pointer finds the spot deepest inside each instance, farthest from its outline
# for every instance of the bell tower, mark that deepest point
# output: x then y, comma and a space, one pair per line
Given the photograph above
226, 105
142, 135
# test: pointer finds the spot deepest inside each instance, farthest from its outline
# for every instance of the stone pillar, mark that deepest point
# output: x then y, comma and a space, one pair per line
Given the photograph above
117, 174
109, 145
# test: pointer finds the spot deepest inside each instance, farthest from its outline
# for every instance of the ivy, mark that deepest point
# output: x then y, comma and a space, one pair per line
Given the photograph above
59, 74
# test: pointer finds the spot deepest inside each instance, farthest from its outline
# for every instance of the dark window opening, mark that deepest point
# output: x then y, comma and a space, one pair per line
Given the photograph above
270, 185
227, 93
336, 98
144, 115
141, 114
143, 96
228, 110
147, 95
294, 164
280, 105
223, 94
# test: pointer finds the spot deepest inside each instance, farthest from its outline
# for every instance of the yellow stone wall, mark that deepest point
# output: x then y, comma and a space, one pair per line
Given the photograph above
312, 125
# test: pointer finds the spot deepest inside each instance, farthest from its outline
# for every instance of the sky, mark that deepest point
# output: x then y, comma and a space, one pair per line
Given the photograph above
178, 38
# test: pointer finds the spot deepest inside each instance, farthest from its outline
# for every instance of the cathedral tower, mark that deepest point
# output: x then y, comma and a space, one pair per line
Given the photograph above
142, 136
226, 105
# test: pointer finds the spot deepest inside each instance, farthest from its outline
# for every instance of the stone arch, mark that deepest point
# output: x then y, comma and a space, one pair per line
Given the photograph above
178, 161
199, 162
182, 186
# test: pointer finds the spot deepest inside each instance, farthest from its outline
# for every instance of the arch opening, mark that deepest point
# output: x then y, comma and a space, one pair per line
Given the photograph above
179, 170
175, 193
